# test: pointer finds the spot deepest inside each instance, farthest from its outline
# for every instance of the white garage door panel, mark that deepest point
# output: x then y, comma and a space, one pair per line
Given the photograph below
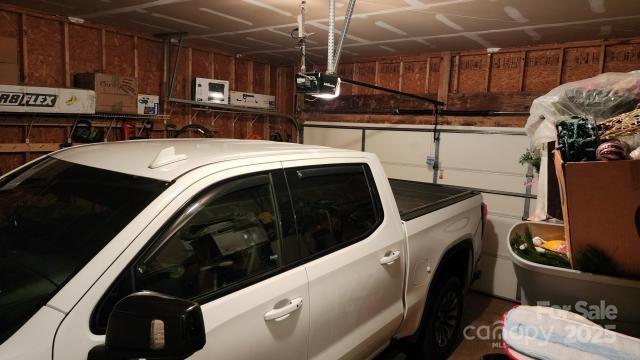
495, 240
408, 171
400, 146
482, 180
500, 204
498, 277
338, 138
485, 152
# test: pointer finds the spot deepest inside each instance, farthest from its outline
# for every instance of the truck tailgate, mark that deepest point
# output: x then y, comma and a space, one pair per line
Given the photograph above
415, 199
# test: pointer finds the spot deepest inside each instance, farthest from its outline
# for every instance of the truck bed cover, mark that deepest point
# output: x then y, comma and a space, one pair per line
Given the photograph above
415, 198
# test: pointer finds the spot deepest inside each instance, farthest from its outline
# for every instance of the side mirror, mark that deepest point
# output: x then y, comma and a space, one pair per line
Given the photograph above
154, 326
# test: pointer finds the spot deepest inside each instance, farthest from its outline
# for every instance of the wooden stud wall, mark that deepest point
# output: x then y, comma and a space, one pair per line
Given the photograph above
507, 80
52, 50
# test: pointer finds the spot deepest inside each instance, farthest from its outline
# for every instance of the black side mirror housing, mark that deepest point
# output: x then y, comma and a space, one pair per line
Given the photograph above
154, 326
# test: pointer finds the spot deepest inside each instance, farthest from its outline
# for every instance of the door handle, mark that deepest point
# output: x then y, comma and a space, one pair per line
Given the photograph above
284, 312
391, 258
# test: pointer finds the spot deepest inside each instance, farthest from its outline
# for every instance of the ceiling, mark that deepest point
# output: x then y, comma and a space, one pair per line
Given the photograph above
261, 28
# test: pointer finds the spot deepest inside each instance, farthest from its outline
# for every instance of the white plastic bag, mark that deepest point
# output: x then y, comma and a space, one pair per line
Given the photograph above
596, 99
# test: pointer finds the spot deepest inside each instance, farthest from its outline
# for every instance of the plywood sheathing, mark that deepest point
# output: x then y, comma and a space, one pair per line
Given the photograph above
150, 64
414, 78
506, 70
622, 57
53, 49
495, 81
46, 58
581, 63
542, 69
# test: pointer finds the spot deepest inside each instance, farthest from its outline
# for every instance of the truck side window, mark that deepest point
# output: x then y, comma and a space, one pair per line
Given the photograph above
221, 241
334, 206
231, 234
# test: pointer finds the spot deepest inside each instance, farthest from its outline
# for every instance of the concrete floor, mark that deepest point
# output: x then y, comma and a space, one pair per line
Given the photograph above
481, 330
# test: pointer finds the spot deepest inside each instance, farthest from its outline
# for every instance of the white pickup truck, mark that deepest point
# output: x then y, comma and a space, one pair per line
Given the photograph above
228, 249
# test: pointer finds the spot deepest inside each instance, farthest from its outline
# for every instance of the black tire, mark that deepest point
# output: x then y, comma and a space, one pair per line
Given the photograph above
442, 321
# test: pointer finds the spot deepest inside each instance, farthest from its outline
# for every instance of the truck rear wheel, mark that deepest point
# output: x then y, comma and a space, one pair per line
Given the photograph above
443, 319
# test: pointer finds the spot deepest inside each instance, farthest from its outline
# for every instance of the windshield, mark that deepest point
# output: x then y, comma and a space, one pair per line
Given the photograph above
55, 216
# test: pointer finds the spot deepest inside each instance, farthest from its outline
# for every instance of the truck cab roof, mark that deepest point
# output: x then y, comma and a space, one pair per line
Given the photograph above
168, 159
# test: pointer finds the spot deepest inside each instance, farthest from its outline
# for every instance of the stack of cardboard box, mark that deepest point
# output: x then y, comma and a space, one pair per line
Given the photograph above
9, 68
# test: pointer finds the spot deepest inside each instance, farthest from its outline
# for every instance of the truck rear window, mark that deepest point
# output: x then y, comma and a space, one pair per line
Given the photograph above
334, 206
55, 216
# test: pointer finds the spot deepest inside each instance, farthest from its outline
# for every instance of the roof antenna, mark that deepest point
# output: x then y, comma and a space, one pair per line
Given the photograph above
167, 156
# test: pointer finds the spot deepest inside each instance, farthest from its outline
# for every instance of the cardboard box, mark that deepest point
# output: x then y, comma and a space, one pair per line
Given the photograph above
8, 50
210, 91
32, 99
258, 101
9, 74
114, 94
148, 104
601, 208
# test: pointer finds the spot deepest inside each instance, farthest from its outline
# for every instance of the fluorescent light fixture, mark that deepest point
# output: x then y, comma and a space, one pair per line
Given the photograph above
268, 7
152, 26
597, 6
515, 14
226, 16
262, 41
393, 29
415, 3
185, 22
338, 32
479, 40
533, 34
445, 20
387, 48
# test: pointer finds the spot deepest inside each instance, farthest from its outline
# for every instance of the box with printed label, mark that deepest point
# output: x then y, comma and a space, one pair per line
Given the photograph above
251, 100
148, 104
211, 91
114, 94
46, 100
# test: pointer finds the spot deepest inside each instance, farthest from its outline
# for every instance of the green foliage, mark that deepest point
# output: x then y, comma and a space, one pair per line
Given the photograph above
531, 254
577, 139
594, 260
531, 157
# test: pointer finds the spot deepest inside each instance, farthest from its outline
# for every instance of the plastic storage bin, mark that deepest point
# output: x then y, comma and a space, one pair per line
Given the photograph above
603, 299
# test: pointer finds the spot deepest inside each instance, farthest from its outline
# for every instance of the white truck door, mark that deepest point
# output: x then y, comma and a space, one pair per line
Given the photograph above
221, 243
352, 245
